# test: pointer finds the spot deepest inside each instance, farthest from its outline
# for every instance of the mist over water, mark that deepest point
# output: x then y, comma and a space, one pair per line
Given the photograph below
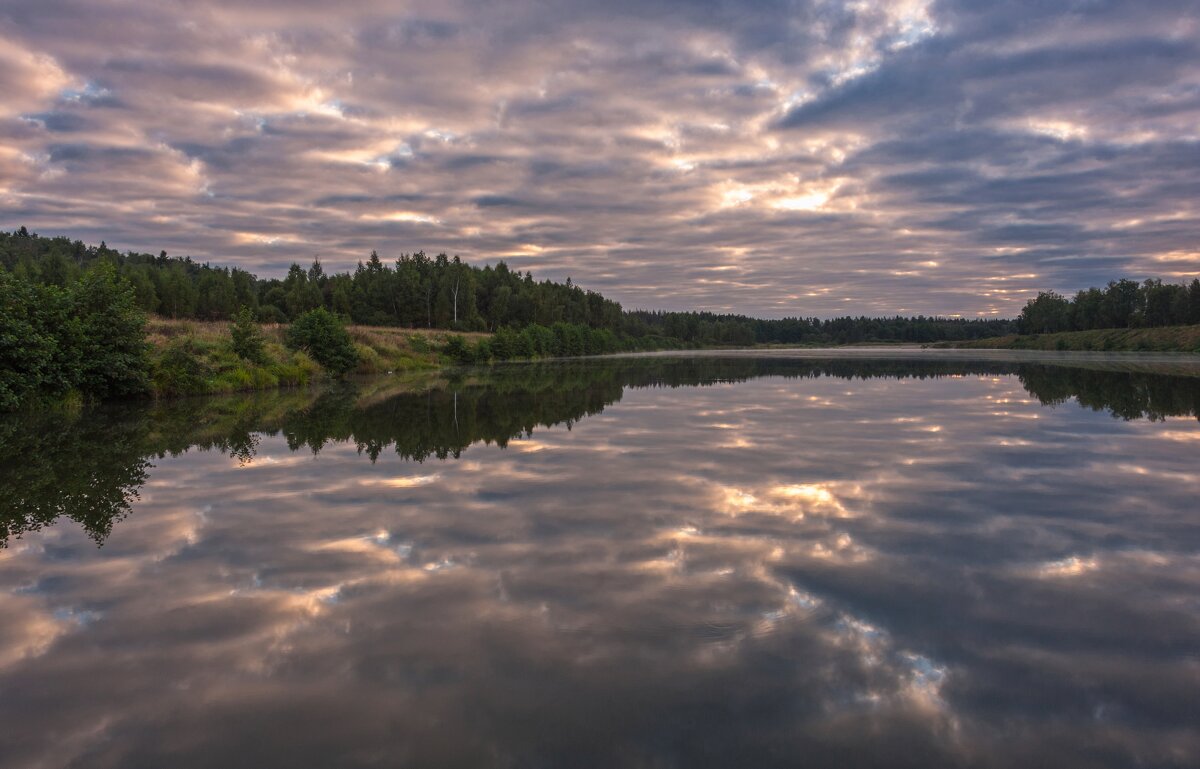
709, 561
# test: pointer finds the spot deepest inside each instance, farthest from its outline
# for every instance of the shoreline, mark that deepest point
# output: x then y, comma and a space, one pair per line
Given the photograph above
1159, 339
202, 351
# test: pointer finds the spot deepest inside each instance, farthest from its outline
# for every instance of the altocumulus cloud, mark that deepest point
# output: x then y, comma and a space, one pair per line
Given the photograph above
760, 156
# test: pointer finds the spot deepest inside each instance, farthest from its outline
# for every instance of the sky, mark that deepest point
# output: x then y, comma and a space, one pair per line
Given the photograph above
768, 157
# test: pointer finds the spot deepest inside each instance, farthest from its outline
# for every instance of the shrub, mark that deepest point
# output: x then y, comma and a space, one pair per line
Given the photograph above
181, 369
115, 360
297, 371
269, 313
27, 348
541, 338
319, 333
457, 350
523, 346
570, 339
369, 360
89, 338
504, 344
247, 338
418, 342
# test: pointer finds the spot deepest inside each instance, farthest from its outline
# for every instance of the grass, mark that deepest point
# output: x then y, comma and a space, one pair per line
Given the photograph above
387, 349
195, 358
1164, 339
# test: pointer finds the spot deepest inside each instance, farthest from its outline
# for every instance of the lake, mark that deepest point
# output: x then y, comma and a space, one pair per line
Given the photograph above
784, 559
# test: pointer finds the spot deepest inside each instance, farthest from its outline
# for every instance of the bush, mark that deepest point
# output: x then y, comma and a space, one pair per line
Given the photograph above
456, 349
247, 338
504, 344
569, 339
418, 342
181, 369
88, 338
115, 357
320, 334
523, 346
269, 313
541, 338
369, 361
27, 348
296, 372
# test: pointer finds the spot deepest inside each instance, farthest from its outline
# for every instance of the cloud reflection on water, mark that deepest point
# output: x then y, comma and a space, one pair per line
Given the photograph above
852, 589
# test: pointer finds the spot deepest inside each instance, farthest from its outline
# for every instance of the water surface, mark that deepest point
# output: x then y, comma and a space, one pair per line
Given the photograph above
717, 561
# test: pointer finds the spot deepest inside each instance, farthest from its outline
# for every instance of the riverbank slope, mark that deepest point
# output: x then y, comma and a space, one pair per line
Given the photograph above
1162, 339
190, 357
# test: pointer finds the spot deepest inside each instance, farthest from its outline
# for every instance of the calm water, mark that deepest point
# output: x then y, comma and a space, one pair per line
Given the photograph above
634, 563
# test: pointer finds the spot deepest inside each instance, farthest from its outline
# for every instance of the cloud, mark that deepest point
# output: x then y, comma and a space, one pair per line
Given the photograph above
771, 158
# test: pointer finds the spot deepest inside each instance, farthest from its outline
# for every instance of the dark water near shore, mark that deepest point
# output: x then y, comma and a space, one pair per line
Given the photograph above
653, 562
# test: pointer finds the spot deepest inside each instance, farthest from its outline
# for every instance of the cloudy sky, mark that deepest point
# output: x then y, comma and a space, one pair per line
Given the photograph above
761, 156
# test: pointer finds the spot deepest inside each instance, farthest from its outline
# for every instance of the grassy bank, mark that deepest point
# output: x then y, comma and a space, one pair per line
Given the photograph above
1164, 339
193, 358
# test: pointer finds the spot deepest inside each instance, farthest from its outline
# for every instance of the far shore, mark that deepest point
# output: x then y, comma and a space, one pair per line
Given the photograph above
1177, 339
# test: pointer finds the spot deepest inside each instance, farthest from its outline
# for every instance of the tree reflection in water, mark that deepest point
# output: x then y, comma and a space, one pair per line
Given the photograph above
89, 466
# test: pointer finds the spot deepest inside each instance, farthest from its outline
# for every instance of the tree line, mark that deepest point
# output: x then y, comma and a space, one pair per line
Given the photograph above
417, 290
1121, 304
414, 290
707, 329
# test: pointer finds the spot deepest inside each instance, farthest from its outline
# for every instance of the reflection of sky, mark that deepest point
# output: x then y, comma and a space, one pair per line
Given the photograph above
835, 571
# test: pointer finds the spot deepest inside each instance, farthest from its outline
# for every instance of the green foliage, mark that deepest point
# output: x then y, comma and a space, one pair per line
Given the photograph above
194, 365
443, 292
181, 368
269, 313
319, 333
504, 344
247, 338
523, 346
535, 341
1048, 313
1121, 304
114, 360
28, 348
419, 343
88, 337
369, 360
457, 350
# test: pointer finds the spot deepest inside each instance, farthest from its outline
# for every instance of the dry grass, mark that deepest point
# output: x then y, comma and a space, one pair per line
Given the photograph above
161, 330
381, 348
437, 335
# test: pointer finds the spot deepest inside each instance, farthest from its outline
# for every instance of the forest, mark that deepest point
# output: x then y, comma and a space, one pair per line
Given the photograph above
419, 291
73, 319
1121, 304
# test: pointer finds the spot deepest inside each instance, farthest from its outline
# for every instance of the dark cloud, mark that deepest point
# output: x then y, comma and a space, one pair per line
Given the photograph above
784, 157
60, 122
